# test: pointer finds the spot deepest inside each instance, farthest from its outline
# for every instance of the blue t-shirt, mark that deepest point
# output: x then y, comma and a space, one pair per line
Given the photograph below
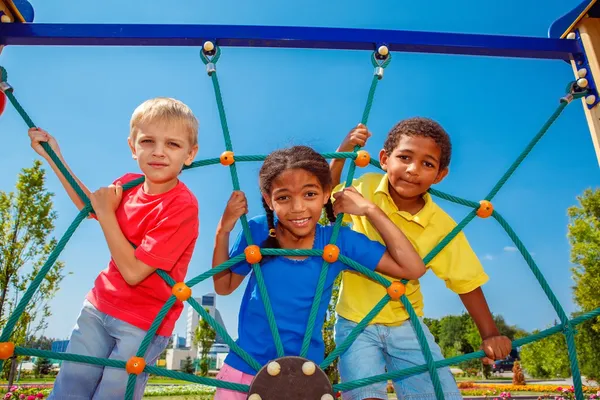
291, 285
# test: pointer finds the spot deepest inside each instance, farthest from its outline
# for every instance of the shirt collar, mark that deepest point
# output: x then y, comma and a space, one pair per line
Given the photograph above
423, 217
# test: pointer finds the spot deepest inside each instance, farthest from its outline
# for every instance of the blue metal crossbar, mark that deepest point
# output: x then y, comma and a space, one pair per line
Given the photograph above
289, 37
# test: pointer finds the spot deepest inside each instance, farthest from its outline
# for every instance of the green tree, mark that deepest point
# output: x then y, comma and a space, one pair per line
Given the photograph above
434, 327
40, 343
328, 332
330, 318
588, 349
453, 335
188, 365
546, 358
204, 339
26, 222
584, 237
43, 366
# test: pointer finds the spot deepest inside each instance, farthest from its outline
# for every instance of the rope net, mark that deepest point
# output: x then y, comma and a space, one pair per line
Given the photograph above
380, 60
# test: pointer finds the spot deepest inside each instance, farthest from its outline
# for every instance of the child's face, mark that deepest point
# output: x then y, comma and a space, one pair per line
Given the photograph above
161, 151
297, 198
413, 166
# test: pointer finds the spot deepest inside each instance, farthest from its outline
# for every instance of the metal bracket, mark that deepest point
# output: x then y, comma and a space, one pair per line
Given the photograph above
581, 61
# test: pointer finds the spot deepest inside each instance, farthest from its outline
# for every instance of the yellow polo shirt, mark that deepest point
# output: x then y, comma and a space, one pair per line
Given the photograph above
457, 265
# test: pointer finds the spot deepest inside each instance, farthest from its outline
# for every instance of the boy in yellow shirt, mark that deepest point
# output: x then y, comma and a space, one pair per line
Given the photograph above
415, 155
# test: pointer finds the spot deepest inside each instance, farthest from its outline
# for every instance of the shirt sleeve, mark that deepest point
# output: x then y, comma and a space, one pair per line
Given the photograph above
167, 240
458, 266
360, 248
259, 232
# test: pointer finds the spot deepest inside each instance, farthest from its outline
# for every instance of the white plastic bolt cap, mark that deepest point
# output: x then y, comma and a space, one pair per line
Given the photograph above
383, 50
591, 99
571, 35
308, 368
582, 82
209, 46
273, 368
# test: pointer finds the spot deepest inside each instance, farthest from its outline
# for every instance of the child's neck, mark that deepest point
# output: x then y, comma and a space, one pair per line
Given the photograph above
155, 188
411, 205
287, 240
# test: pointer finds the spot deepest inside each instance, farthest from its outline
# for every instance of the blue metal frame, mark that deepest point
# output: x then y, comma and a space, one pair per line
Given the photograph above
289, 37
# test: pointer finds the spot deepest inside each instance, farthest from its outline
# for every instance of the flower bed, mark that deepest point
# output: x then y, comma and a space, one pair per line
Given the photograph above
29, 392
35, 392
545, 391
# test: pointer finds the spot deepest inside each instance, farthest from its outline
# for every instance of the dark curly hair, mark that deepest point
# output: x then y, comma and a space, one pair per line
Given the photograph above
423, 127
300, 157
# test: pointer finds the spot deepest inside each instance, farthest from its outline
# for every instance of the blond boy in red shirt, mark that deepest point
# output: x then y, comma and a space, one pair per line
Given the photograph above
160, 218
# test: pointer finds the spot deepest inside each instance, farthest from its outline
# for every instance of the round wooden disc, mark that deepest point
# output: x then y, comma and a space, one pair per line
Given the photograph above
291, 383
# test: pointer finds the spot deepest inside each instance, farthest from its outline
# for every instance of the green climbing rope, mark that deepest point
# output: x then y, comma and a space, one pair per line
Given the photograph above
236, 186
312, 317
566, 326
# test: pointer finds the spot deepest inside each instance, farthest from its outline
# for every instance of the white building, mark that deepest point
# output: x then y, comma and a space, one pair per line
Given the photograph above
208, 302
179, 351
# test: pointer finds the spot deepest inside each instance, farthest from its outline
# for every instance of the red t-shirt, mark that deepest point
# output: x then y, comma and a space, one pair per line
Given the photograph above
164, 229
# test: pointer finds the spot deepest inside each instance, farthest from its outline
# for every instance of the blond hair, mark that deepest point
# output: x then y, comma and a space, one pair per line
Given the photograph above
165, 109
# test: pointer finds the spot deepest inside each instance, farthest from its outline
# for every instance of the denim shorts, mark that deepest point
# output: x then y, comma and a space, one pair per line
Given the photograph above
380, 349
99, 335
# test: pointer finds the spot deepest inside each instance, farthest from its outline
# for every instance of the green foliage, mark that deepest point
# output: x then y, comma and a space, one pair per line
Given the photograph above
546, 358
588, 349
43, 366
328, 330
188, 365
584, 236
457, 335
330, 318
26, 222
204, 339
41, 343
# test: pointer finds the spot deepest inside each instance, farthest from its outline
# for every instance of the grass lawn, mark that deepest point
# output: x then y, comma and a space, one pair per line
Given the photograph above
159, 380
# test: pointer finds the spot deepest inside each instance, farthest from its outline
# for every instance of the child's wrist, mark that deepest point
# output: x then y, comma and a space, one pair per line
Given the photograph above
371, 210
345, 147
222, 232
490, 334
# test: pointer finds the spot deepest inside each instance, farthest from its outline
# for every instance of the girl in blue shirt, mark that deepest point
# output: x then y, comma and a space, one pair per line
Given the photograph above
296, 185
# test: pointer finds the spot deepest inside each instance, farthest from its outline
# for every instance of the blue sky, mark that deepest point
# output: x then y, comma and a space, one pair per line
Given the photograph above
279, 97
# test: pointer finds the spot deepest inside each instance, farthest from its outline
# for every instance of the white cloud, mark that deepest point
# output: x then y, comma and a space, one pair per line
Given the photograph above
488, 257
510, 249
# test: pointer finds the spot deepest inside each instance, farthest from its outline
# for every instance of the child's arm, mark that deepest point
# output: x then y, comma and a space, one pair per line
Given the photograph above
495, 346
105, 201
400, 260
227, 281
357, 136
37, 136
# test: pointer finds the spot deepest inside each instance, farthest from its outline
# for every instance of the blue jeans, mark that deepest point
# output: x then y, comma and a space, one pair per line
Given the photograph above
380, 349
99, 335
